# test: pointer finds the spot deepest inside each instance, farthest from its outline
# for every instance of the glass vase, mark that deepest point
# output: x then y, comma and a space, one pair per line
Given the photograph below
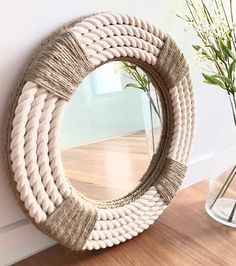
152, 119
221, 201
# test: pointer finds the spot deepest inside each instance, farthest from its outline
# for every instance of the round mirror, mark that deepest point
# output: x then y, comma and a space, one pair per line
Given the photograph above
110, 130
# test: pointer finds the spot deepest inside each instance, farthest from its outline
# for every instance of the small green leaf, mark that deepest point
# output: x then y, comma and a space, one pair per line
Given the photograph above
197, 47
217, 52
232, 69
145, 79
133, 85
228, 81
211, 79
206, 54
234, 89
222, 54
228, 43
226, 50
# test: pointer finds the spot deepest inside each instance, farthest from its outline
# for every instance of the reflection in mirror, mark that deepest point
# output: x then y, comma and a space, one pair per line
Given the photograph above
110, 130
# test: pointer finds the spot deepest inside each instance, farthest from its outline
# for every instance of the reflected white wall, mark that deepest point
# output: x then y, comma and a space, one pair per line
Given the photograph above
94, 114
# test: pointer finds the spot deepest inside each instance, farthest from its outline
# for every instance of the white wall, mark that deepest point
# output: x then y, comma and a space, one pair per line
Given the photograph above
24, 24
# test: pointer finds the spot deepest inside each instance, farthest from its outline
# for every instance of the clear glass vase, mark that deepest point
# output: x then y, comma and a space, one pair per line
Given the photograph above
152, 119
221, 201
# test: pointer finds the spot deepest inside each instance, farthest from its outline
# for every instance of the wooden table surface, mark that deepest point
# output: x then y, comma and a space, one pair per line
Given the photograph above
183, 235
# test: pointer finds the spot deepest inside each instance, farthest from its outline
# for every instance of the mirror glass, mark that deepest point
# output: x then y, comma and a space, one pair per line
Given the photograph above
110, 130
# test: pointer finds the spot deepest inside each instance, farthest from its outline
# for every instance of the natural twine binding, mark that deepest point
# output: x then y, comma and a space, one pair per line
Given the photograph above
72, 222
60, 65
170, 179
171, 67
171, 63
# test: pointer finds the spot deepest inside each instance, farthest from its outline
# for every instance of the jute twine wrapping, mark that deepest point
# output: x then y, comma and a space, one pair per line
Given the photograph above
72, 222
170, 179
60, 65
171, 63
171, 67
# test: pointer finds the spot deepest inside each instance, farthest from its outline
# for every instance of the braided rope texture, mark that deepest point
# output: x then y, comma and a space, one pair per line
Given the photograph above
34, 156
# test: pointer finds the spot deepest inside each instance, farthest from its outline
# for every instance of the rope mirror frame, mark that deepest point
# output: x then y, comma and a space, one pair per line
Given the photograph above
33, 147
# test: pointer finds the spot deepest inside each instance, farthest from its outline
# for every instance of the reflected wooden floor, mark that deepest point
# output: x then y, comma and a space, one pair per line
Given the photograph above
109, 168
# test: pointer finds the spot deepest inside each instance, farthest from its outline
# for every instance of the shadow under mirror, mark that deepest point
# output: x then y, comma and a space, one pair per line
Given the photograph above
110, 130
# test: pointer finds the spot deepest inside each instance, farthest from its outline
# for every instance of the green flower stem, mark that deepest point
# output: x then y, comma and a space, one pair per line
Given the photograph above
232, 213
226, 18
158, 107
232, 20
233, 108
222, 190
153, 105
228, 184
152, 127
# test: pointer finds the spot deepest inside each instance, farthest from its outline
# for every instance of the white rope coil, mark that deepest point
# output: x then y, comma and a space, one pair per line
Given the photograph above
35, 147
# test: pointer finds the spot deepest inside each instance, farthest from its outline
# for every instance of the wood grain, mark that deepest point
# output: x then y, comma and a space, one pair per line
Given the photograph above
183, 235
107, 169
